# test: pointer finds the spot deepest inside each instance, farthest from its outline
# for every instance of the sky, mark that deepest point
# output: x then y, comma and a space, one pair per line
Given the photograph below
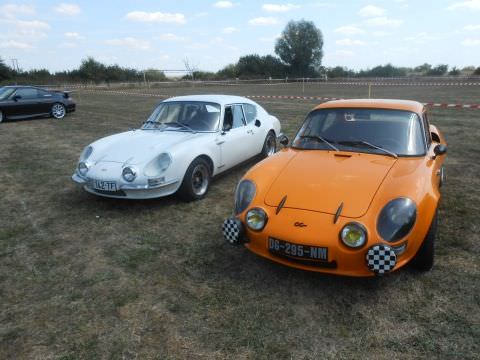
161, 34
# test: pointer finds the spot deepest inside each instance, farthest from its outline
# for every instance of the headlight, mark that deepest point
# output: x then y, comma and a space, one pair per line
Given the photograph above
244, 195
86, 153
354, 235
256, 219
82, 168
129, 174
158, 165
397, 219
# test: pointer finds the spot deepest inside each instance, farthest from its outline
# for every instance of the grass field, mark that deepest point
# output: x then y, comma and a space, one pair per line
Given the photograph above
83, 277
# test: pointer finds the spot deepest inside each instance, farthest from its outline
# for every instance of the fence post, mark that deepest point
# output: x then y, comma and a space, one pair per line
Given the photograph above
369, 90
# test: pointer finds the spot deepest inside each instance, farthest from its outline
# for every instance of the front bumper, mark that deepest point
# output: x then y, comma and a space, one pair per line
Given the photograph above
373, 259
130, 191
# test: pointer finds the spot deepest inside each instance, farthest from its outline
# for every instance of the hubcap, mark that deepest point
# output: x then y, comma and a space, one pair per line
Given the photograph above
270, 145
58, 111
200, 180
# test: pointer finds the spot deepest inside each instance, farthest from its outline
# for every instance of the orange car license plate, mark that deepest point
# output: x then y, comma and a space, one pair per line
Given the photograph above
286, 248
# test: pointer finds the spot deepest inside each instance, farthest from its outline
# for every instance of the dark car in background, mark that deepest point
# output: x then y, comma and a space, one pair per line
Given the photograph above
22, 102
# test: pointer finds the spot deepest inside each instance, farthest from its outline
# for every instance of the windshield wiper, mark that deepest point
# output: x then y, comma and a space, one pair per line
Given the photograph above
180, 124
319, 138
151, 122
361, 142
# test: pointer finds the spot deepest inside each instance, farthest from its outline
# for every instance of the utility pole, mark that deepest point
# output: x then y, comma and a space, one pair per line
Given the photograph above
15, 65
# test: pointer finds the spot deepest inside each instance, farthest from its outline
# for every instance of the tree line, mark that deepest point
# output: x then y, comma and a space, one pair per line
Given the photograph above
89, 71
298, 54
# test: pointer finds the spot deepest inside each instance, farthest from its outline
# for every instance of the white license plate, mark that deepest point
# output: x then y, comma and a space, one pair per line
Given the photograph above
105, 185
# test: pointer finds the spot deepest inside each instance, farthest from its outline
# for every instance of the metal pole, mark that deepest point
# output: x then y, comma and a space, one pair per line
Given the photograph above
369, 90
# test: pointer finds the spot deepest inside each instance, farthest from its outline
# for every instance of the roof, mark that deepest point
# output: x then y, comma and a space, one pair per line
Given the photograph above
408, 105
215, 98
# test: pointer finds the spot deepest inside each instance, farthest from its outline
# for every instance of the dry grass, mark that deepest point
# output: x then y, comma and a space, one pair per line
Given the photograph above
83, 277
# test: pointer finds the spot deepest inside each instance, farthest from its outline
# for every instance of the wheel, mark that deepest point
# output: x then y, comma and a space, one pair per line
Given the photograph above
58, 111
196, 180
1, 116
423, 260
270, 145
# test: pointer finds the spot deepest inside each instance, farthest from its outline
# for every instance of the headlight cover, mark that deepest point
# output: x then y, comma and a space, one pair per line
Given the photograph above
129, 173
353, 235
86, 153
158, 165
244, 195
256, 219
397, 219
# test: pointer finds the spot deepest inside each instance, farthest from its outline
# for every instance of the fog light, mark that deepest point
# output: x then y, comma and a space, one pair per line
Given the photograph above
129, 174
156, 182
256, 219
354, 235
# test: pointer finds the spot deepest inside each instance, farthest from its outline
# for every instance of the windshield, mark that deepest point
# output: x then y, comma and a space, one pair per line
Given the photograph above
6, 92
387, 132
184, 116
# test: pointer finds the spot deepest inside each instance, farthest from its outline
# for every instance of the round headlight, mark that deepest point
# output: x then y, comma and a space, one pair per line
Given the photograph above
158, 165
129, 174
256, 219
397, 219
244, 195
354, 235
82, 168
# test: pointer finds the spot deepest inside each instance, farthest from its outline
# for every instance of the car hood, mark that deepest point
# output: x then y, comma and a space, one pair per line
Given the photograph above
137, 146
322, 180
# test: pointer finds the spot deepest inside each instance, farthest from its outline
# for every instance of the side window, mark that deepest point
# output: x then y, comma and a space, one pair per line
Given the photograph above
27, 93
238, 117
426, 128
250, 112
43, 93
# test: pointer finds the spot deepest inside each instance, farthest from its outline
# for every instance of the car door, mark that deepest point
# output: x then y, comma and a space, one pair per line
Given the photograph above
45, 100
25, 103
255, 129
232, 139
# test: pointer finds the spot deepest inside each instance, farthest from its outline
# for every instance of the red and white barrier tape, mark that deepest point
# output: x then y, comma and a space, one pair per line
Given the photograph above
289, 97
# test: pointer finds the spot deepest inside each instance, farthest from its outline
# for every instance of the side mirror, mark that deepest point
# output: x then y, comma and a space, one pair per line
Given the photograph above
16, 97
283, 139
440, 149
435, 137
258, 123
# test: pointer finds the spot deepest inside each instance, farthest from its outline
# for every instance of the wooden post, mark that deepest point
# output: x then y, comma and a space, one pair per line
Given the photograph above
369, 90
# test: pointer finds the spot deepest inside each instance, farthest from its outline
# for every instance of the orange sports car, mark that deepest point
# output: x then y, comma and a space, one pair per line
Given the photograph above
356, 193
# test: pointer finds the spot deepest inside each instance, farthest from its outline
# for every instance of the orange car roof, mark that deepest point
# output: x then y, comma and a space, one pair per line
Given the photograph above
407, 105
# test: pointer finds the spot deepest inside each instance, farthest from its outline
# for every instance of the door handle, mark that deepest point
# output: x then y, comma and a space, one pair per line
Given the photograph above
220, 142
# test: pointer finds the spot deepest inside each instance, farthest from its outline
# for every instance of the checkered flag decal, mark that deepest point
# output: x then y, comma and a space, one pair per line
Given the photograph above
381, 259
232, 230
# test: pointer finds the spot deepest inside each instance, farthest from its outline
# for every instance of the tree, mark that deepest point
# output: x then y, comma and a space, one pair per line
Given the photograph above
92, 70
477, 71
423, 69
454, 71
300, 47
438, 70
339, 72
5, 72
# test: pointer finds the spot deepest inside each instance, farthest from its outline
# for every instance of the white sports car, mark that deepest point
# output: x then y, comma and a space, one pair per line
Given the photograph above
185, 142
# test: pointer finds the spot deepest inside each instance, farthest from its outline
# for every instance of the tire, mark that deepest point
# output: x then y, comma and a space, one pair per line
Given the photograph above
196, 181
1, 117
269, 146
58, 111
424, 259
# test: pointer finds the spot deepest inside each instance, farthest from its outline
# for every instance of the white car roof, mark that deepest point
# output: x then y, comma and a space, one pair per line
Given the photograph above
219, 99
